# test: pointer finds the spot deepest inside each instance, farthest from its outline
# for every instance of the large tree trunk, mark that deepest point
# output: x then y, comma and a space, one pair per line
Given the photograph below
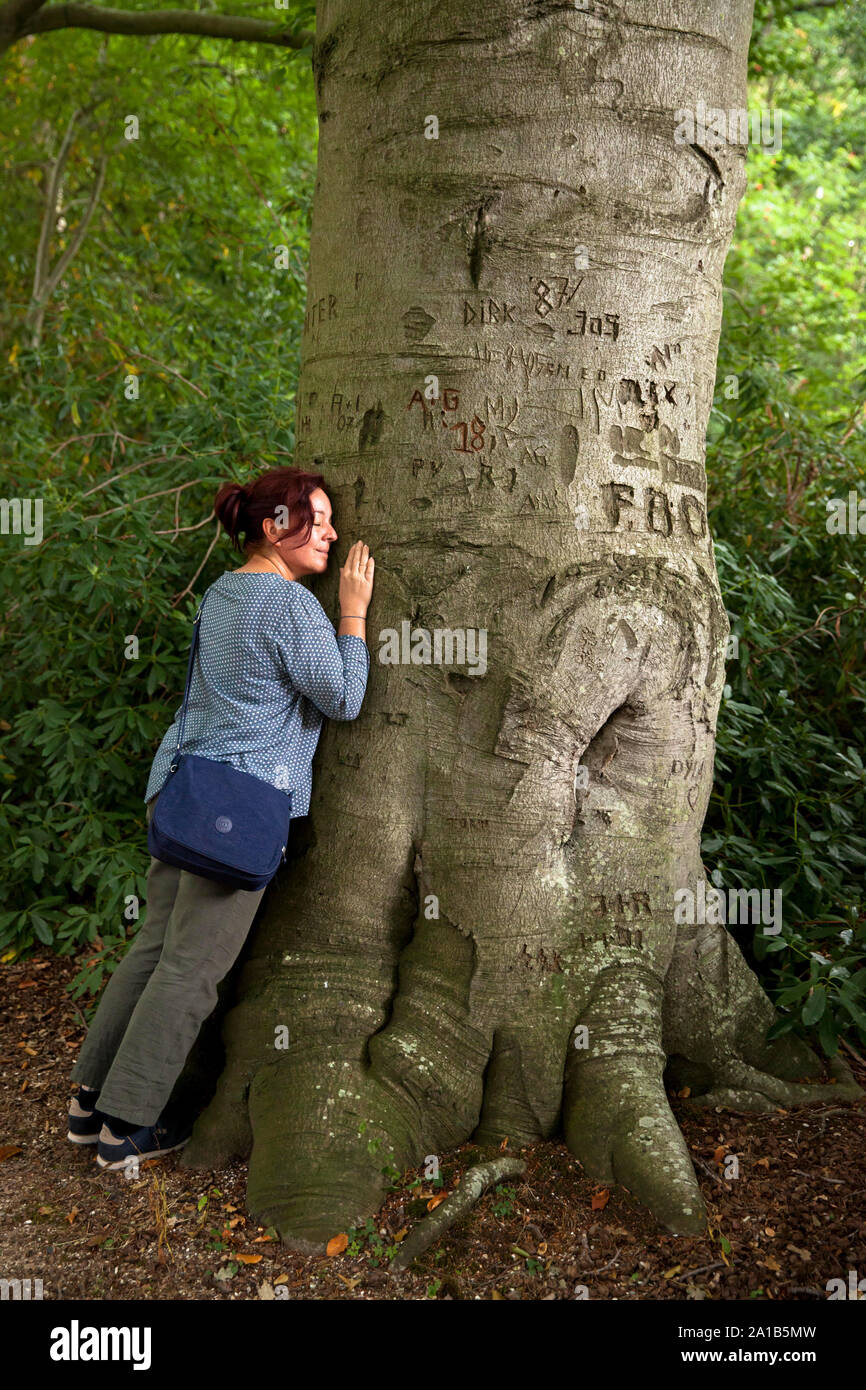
492, 856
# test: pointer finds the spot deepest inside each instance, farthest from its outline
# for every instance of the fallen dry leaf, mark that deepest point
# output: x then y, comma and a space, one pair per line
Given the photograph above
9, 1150
434, 1201
350, 1283
337, 1244
600, 1199
248, 1259
719, 1155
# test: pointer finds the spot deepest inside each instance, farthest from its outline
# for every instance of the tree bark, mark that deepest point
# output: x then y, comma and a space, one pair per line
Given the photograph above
491, 859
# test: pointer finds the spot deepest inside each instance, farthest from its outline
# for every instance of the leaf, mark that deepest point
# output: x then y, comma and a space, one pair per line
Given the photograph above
73, 410
600, 1199
337, 1244
248, 1259
9, 1150
42, 929
719, 1154
350, 1283
814, 1006
434, 1201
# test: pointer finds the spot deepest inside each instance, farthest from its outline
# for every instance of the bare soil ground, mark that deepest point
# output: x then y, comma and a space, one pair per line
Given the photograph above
791, 1220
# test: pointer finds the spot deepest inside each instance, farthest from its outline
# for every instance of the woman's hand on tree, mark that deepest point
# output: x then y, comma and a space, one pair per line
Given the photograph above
356, 581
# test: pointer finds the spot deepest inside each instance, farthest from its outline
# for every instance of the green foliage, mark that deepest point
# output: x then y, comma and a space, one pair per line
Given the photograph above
504, 1204
365, 1240
141, 396
787, 810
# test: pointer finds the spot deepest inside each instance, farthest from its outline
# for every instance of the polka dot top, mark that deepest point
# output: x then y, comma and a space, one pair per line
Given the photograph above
269, 667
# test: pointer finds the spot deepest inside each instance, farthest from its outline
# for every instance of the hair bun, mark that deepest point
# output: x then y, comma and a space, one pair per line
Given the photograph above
231, 500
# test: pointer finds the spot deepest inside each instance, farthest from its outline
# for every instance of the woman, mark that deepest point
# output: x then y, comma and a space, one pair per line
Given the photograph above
268, 669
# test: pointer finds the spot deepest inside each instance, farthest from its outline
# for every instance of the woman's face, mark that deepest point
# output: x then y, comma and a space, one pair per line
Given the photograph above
312, 558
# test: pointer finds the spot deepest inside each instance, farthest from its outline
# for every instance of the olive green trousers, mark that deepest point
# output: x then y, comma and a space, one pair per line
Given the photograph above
154, 1004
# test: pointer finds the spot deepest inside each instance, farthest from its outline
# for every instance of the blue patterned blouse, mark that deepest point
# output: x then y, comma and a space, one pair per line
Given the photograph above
269, 667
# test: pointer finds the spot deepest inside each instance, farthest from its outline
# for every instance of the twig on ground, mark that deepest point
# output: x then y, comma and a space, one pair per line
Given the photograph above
601, 1269
701, 1269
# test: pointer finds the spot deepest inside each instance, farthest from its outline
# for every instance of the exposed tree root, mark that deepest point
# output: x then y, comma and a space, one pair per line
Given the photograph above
473, 1184
616, 1116
741, 1087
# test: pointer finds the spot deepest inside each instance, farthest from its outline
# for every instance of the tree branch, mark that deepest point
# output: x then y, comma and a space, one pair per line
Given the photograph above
45, 281
32, 17
49, 215
16, 13
80, 231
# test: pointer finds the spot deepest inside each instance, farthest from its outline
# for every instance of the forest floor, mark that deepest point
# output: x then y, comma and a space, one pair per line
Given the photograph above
792, 1219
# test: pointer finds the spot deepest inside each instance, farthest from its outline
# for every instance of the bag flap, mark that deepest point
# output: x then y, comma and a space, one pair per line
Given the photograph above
216, 810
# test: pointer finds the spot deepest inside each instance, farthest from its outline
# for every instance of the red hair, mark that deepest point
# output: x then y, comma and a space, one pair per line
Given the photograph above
241, 508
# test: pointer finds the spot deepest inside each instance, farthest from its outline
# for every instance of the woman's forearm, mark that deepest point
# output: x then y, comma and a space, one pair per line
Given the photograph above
352, 627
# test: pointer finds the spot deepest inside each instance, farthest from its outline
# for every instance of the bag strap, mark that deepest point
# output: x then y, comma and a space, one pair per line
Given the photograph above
192, 651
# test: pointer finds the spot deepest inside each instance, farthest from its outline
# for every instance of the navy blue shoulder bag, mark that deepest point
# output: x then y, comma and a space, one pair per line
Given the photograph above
214, 820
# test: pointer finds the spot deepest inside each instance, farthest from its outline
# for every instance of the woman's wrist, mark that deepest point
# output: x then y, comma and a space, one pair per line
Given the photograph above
355, 624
